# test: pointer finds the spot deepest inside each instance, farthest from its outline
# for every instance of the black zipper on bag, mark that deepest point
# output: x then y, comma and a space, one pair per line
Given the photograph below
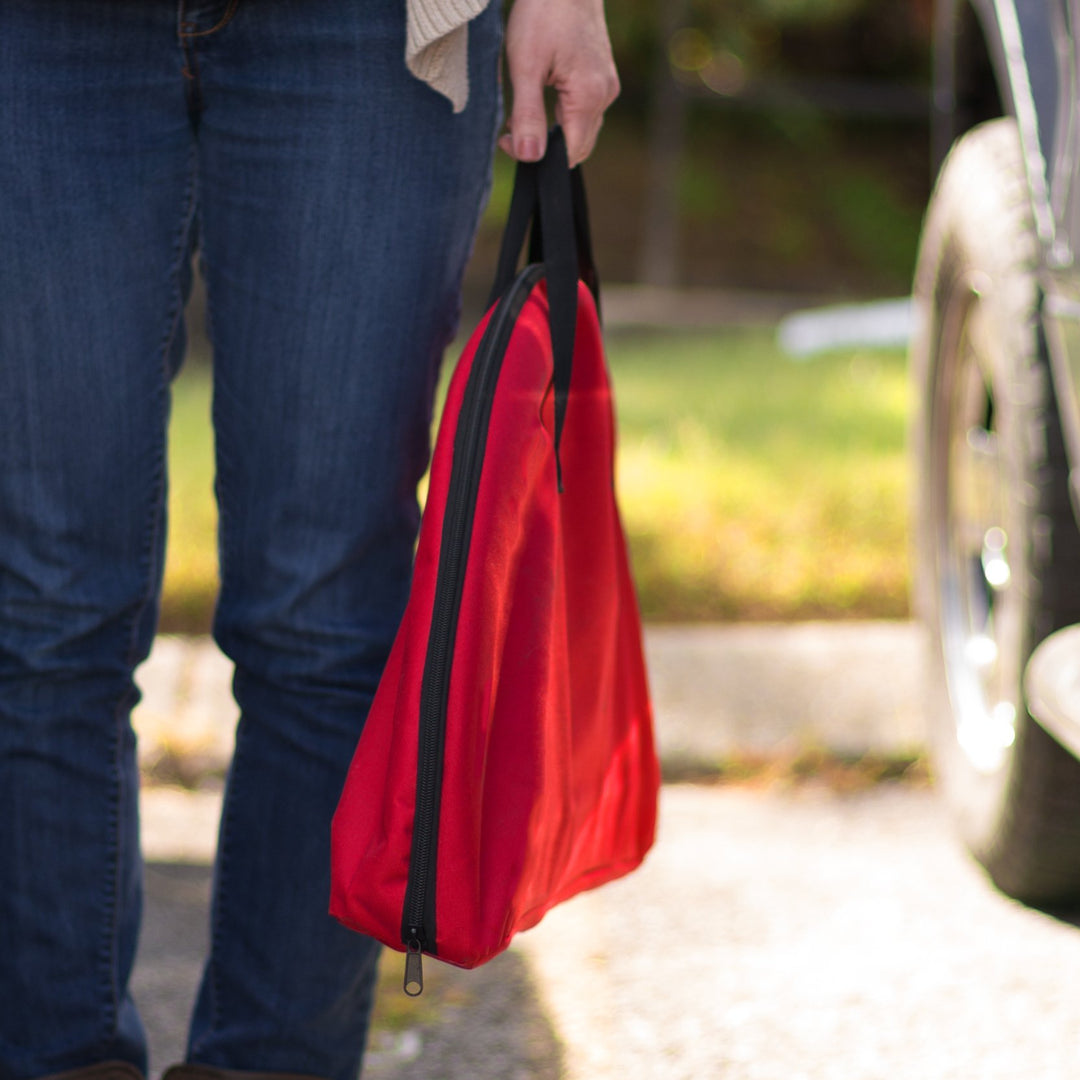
418, 930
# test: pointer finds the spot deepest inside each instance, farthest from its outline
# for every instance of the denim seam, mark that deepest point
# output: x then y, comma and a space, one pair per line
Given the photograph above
212, 973
188, 32
221, 460
109, 954
191, 73
188, 26
216, 942
454, 313
182, 251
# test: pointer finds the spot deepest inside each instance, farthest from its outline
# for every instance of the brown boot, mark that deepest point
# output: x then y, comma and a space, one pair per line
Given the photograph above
103, 1070
210, 1072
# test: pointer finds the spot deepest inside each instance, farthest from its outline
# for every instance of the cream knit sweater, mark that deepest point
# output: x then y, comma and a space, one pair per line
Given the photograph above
436, 48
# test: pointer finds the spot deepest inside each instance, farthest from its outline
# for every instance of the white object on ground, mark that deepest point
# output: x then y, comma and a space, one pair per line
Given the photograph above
880, 324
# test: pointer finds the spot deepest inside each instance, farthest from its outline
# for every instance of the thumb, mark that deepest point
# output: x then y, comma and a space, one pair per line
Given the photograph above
527, 127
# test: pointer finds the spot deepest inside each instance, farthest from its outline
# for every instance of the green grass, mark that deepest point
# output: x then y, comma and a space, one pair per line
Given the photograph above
755, 487
191, 580
752, 486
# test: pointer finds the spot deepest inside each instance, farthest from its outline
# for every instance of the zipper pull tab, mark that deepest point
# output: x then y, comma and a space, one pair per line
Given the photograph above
414, 969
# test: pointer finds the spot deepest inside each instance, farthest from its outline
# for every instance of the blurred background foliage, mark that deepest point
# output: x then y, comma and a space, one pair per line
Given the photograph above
773, 145
751, 487
766, 144
729, 45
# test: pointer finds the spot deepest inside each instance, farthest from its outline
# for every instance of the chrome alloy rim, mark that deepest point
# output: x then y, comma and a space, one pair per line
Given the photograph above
976, 541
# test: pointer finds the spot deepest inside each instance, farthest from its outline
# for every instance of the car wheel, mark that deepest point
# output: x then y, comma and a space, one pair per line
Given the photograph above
997, 546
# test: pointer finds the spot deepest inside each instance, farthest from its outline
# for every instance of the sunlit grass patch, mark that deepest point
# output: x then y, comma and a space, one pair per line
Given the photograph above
756, 487
191, 574
751, 486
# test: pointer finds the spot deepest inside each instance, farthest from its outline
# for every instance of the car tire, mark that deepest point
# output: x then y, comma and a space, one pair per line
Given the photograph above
997, 559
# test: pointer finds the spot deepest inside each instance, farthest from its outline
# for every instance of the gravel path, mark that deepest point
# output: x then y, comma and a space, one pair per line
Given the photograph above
773, 933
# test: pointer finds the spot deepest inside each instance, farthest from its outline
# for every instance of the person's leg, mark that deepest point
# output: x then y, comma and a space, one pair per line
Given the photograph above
338, 200
95, 206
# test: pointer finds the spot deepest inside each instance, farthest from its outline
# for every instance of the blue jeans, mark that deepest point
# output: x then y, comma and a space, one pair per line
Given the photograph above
333, 200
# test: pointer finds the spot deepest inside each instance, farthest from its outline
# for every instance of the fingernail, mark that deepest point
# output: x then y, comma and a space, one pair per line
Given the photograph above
529, 148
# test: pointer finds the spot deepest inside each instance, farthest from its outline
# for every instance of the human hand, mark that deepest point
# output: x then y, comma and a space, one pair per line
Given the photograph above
563, 44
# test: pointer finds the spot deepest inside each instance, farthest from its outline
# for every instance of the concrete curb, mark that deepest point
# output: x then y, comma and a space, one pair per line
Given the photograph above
651, 307
709, 917
771, 689
719, 692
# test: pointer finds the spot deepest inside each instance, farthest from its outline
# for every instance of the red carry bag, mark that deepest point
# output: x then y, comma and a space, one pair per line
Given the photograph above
508, 760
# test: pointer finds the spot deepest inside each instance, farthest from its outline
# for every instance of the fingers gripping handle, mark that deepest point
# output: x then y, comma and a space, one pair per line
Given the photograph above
548, 204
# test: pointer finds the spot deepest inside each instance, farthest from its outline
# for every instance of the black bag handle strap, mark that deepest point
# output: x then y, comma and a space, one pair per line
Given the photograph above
548, 204
521, 221
523, 203
583, 234
558, 241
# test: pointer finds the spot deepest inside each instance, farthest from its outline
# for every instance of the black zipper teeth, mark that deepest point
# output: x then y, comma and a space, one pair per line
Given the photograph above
469, 445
